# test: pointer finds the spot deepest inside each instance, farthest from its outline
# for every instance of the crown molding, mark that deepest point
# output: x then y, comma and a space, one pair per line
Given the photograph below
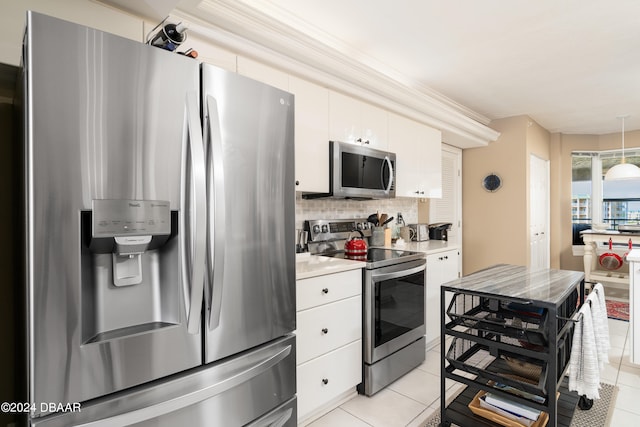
249, 31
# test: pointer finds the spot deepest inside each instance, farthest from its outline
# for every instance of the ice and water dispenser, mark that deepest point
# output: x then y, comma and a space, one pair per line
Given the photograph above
130, 268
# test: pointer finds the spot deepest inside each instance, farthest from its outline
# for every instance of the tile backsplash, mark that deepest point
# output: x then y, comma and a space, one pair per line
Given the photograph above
347, 208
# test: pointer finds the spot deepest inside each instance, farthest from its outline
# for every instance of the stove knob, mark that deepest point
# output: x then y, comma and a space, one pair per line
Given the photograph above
359, 226
325, 228
316, 229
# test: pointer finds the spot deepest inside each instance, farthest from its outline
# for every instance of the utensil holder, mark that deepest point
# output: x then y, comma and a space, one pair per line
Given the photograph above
377, 236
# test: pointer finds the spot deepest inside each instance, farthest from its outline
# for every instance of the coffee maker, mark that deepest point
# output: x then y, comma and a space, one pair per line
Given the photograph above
439, 230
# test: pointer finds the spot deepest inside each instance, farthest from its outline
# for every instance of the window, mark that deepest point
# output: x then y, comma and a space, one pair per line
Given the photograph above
595, 200
581, 174
620, 199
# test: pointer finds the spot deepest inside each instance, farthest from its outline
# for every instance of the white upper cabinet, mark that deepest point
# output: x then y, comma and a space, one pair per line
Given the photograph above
351, 120
212, 54
418, 158
311, 135
263, 73
431, 170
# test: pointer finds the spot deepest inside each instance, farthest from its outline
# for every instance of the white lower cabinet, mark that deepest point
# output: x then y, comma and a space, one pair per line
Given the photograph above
329, 341
325, 378
320, 290
442, 267
329, 326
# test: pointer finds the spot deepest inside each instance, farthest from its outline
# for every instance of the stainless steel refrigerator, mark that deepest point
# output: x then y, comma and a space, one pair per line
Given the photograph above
159, 236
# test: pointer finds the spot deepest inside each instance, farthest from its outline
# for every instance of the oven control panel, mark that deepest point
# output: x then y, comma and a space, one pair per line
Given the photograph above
325, 230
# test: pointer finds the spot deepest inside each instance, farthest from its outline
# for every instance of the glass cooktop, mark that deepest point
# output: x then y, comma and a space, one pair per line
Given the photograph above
380, 257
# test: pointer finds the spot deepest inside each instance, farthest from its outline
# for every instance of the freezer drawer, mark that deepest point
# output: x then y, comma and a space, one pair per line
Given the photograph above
284, 415
235, 392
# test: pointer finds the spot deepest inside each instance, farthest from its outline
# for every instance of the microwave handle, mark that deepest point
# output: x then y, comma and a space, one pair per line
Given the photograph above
388, 161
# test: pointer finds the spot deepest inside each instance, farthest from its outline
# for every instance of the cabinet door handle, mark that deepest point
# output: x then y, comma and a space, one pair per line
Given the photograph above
325, 290
367, 142
325, 330
297, 182
446, 257
359, 140
325, 381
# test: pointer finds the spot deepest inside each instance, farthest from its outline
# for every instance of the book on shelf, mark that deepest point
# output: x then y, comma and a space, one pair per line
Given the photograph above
505, 414
512, 406
518, 392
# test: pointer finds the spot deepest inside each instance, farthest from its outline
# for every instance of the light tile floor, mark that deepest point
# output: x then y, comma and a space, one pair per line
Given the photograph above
412, 399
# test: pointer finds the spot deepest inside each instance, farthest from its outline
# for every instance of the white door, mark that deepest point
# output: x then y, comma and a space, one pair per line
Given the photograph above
449, 207
538, 212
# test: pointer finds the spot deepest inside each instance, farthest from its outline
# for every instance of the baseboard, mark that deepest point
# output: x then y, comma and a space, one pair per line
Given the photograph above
328, 407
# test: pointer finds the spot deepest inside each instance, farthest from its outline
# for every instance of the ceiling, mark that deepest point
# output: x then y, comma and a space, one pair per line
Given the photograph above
572, 65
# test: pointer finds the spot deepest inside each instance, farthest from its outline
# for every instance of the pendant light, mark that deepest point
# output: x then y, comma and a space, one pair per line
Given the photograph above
623, 170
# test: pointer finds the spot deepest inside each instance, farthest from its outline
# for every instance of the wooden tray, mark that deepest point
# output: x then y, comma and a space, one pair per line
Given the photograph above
497, 418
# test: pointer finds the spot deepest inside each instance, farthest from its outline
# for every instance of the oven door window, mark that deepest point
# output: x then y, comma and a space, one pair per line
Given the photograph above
399, 307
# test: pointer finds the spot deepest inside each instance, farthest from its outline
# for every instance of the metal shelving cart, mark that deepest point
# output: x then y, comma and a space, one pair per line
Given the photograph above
509, 327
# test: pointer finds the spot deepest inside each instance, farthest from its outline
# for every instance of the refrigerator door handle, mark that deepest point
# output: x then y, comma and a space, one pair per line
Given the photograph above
187, 399
217, 223
193, 194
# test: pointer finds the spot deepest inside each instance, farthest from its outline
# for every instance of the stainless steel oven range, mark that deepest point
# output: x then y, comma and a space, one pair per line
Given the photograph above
393, 302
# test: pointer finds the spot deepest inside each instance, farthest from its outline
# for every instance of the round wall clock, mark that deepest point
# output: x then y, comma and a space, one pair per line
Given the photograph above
492, 182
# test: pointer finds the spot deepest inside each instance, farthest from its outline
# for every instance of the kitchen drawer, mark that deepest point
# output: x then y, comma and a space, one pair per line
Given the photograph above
325, 328
322, 379
320, 290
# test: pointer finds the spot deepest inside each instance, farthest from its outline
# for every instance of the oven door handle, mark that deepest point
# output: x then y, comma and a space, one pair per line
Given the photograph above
379, 277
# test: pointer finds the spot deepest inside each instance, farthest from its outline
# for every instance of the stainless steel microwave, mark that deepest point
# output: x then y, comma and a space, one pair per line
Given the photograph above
359, 172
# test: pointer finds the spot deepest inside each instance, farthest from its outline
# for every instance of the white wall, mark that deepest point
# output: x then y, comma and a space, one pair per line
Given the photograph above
347, 209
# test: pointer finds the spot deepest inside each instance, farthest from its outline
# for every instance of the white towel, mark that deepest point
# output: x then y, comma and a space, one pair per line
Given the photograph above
584, 374
600, 324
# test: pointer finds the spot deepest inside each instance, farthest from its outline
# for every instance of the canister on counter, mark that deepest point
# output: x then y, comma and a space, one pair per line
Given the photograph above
377, 236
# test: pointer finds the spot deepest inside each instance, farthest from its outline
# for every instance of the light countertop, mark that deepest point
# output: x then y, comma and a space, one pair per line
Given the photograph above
609, 233
315, 265
429, 247
634, 255
514, 281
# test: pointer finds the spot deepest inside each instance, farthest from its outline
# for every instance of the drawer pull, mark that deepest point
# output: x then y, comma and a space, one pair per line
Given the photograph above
325, 290
325, 330
325, 381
